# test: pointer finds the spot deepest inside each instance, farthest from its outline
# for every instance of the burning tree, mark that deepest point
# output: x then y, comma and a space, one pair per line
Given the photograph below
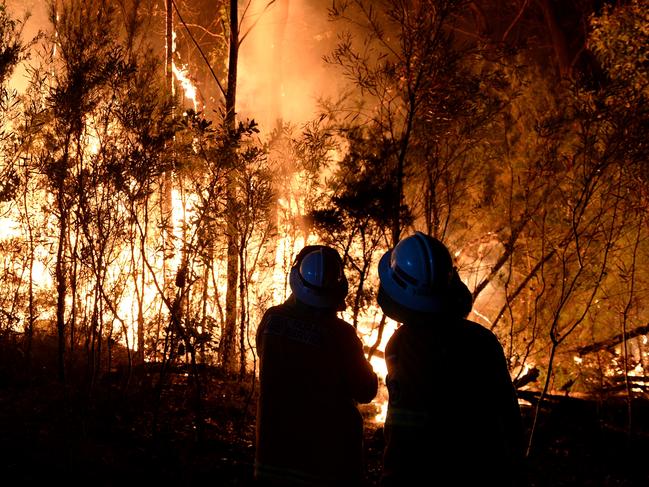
12, 51
82, 146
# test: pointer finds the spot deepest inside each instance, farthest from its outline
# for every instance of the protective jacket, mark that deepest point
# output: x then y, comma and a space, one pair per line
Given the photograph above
312, 375
453, 416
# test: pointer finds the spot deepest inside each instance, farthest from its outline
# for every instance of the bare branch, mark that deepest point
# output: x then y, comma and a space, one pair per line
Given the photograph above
199, 49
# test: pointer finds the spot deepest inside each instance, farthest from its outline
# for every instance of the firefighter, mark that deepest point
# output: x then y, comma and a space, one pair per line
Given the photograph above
312, 375
453, 416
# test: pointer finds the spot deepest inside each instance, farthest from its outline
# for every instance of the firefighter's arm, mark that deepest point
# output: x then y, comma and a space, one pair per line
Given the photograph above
362, 380
505, 390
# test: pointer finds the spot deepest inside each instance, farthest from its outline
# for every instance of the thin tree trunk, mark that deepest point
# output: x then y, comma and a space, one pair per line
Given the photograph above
74, 275
244, 316
29, 331
61, 285
544, 392
379, 337
228, 356
139, 298
625, 323
166, 200
559, 42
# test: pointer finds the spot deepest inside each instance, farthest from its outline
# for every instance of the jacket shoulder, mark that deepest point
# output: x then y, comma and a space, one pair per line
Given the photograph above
466, 331
278, 309
478, 331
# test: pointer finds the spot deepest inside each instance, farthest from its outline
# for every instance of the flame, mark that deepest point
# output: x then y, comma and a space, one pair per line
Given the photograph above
268, 71
280, 73
182, 211
92, 140
368, 331
637, 371
181, 74
290, 242
9, 228
188, 87
381, 399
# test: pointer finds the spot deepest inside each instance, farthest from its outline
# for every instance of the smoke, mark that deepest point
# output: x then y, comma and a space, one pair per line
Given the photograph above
281, 73
34, 15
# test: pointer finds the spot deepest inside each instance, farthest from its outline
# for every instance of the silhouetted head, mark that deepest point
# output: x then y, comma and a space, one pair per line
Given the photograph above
418, 280
317, 278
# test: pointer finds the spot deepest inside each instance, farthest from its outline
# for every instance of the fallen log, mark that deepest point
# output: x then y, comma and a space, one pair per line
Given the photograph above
531, 375
614, 340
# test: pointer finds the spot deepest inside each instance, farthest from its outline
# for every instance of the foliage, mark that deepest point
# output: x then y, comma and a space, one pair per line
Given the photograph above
409, 77
619, 40
354, 216
533, 182
12, 49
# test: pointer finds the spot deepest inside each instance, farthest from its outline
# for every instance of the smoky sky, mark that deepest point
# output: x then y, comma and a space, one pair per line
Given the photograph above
281, 73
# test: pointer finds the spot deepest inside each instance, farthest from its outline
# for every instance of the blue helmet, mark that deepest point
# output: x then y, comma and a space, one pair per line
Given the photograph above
417, 273
317, 277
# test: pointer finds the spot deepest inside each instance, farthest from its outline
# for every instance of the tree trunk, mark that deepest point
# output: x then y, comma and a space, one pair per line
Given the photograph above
243, 328
61, 284
29, 331
228, 355
166, 187
373, 351
74, 275
559, 42
140, 305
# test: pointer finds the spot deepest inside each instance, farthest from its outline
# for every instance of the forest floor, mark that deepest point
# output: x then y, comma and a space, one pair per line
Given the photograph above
112, 435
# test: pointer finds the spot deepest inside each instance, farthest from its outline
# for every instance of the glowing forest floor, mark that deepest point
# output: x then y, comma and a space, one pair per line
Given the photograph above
109, 437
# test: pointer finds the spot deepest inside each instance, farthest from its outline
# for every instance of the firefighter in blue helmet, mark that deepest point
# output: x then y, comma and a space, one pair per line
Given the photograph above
451, 398
312, 375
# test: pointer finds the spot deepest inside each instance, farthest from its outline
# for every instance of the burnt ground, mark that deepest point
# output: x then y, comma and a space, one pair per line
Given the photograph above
112, 434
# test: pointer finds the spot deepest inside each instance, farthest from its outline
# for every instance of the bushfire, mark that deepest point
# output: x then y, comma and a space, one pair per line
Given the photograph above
167, 230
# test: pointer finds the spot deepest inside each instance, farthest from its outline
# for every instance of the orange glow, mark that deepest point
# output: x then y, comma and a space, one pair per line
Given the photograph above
188, 87
280, 70
9, 228
277, 80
